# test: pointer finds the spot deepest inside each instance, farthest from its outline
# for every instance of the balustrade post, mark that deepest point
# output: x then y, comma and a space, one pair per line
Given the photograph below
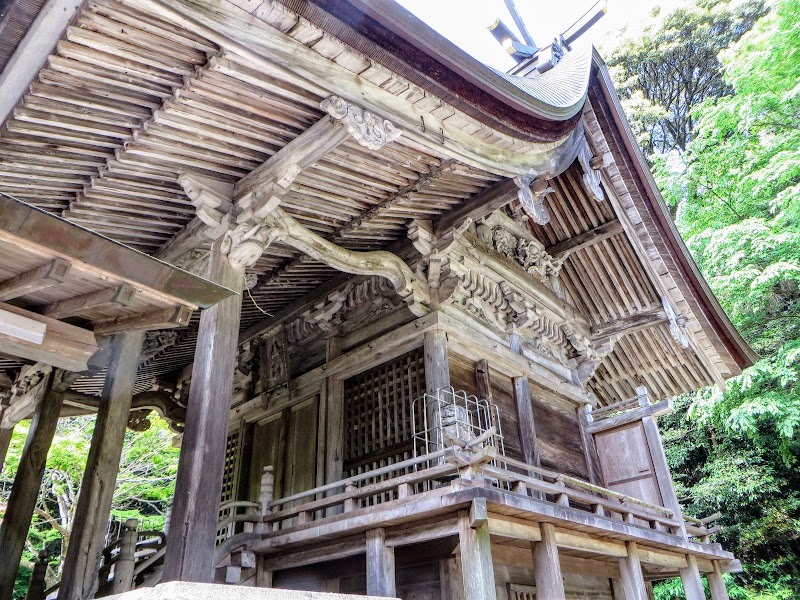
126, 559
36, 587
265, 496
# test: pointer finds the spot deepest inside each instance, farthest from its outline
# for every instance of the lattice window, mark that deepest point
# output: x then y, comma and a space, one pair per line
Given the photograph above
230, 478
378, 402
518, 591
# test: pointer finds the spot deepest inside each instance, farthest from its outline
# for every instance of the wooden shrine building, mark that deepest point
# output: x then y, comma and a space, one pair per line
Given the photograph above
414, 318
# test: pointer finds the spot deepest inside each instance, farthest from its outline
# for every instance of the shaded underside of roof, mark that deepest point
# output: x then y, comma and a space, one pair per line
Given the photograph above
16, 17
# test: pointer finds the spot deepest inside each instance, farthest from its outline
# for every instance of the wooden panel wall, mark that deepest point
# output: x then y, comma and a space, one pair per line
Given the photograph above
558, 433
287, 441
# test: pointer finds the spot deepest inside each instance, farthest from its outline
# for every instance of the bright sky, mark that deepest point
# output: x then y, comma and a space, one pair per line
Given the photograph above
465, 22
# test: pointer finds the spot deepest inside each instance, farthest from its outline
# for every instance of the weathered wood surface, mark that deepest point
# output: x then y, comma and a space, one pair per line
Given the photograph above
716, 583
36, 587
5, 441
193, 526
477, 570
64, 346
631, 574
380, 565
125, 563
652, 410
690, 576
526, 422
79, 580
25, 491
45, 276
546, 565
585, 239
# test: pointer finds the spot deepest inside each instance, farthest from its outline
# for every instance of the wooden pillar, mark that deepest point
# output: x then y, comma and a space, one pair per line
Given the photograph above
692, 584
79, 581
126, 560
380, 565
617, 591
36, 587
588, 447
477, 570
437, 368
25, 491
5, 442
437, 376
547, 566
525, 421
630, 570
195, 509
660, 464
716, 584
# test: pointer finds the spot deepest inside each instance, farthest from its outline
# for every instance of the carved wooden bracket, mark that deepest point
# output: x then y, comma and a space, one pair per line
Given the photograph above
531, 194
677, 323
592, 177
367, 128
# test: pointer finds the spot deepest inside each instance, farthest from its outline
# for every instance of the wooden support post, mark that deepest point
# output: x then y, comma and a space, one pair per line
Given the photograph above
690, 576
589, 449
25, 491
547, 566
126, 561
36, 586
437, 377
477, 570
195, 510
79, 581
617, 591
380, 565
5, 442
660, 465
716, 584
630, 570
525, 421
334, 451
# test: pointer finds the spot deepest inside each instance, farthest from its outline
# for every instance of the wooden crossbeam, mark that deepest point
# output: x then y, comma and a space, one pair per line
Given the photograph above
642, 320
178, 316
585, 239
42, 277
64, 346
122, 295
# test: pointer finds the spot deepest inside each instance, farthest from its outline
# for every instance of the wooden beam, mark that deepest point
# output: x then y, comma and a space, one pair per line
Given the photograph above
40, 278
193, 525
178, 316
380, 565
478, 206
25, 491
642, 320
477, 569
585, 239
631, 575
653, 410
79, 580
64, 346
22, 328
122, 295
546, 565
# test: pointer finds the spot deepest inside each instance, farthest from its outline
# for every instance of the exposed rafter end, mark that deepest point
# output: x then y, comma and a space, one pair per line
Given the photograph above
40, 278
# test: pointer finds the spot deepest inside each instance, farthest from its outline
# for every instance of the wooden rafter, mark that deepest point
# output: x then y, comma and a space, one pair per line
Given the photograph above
119, 296
586, 239
29, 282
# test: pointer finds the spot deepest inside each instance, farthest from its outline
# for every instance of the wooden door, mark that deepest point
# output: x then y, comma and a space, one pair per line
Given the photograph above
287, 441
626, 462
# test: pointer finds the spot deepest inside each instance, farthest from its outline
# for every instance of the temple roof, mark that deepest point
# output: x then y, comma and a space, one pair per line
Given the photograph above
137, 93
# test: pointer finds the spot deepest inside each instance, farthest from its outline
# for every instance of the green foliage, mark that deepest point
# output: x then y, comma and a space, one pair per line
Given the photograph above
145, 483
673, 67
734, 188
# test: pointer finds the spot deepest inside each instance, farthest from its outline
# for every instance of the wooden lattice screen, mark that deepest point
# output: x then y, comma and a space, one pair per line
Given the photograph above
230, 476
378, 402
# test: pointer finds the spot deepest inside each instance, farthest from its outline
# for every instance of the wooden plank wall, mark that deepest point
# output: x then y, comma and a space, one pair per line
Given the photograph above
556, 420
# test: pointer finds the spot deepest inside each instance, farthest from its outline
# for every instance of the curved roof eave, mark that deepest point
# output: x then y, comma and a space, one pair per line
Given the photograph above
544, 108
715, 315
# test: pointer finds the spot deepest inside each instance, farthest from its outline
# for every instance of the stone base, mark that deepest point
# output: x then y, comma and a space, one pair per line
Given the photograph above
182, 590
